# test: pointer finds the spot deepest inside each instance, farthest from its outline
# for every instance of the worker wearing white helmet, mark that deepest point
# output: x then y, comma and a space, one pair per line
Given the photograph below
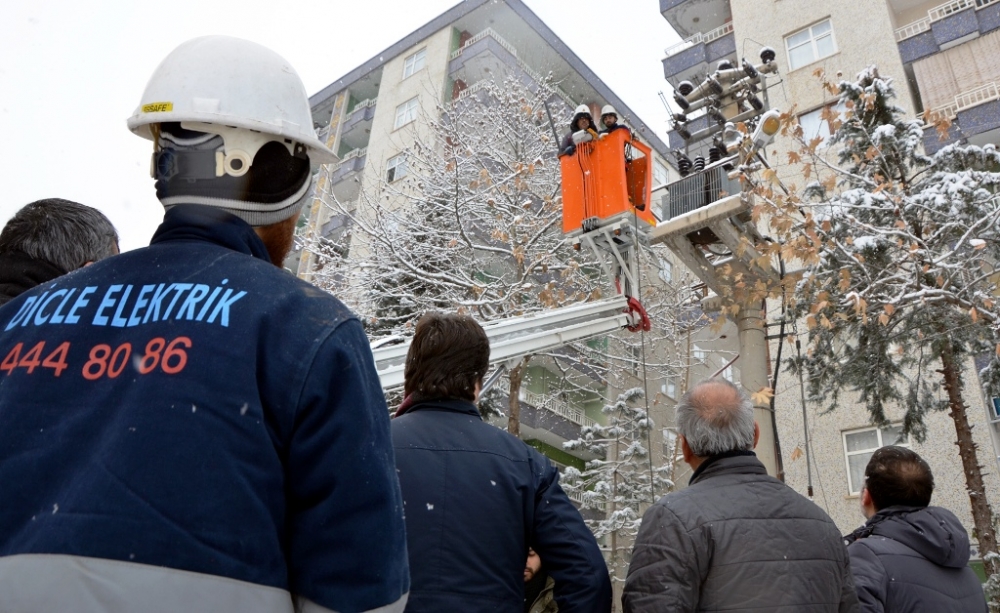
581, 129
204, 431
609, 120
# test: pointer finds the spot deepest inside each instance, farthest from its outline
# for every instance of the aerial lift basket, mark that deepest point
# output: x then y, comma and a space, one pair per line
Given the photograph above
604, 179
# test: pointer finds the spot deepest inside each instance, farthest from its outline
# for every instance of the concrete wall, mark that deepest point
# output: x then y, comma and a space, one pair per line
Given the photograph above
829, 469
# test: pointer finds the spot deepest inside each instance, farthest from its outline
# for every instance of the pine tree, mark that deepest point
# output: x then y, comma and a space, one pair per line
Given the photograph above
901, 288
623, 481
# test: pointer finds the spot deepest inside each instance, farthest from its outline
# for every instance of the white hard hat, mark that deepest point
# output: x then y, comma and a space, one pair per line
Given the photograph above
216, 83
583, 109
609, 110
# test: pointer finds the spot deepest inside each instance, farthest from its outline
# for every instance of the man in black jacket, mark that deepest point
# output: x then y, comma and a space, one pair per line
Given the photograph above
476, 498
49, 238
735, 539
909, 557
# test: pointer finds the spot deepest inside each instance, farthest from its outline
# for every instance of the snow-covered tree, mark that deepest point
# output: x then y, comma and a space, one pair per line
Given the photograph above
624, 480
474, 225
900, 287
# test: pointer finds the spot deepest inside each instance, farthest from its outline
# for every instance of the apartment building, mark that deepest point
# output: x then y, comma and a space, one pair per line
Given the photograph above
372, 115
941, 58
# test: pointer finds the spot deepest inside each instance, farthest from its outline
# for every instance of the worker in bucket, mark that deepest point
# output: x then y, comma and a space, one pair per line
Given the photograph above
581, 130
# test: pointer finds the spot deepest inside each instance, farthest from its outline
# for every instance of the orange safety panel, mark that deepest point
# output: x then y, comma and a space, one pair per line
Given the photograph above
597, 181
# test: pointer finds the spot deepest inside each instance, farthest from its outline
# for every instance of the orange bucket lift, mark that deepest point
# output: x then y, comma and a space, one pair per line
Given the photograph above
607, 188
605, 179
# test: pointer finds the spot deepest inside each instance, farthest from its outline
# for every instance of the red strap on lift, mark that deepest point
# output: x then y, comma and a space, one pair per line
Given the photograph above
635, 308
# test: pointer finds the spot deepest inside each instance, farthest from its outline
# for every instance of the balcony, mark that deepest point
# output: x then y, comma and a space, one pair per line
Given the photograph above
695, 55
975, 116
358, 124
690, 16
488, 56
342, 182
484, 55
947, 25
574, 414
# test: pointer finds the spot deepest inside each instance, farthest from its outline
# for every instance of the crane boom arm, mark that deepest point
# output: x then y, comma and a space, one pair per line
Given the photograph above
515, 337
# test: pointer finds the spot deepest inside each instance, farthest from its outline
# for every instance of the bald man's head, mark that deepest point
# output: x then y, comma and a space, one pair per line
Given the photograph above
714, 417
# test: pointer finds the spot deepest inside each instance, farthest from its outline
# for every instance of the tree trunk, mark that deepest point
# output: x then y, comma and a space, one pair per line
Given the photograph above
514, 398
982, 515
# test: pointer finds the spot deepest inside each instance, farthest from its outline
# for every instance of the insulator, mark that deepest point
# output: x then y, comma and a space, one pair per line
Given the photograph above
684, 166
714, 155
699, 164
685, 87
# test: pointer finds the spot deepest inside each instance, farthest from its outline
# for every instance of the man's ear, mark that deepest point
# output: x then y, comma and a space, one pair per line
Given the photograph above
756, 434
686, 450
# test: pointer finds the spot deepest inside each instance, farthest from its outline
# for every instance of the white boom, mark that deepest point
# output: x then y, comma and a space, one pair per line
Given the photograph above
512, 338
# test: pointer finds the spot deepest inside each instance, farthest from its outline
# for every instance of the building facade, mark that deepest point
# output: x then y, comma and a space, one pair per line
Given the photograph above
372, 115
939, 55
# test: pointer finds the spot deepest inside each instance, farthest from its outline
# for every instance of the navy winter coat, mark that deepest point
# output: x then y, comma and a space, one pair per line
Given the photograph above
187, 427
476, 498
914, 560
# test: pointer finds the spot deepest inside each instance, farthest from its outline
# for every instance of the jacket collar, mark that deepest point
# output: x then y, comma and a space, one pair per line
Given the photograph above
738, 461
198, 222
20, 272
449, 405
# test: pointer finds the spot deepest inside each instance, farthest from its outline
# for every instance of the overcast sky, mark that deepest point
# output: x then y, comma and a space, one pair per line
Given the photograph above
72, 72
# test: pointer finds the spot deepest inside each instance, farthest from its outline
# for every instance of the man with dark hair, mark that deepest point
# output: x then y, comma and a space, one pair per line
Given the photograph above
909, 557
735, 539
538, 586
49, 238
476, 497
188, 427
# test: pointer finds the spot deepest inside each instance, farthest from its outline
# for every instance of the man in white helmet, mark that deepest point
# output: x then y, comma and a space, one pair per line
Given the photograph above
186, 427
581, 130
609, 119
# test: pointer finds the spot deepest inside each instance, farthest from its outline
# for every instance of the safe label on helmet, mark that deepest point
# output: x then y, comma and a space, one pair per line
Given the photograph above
158, 107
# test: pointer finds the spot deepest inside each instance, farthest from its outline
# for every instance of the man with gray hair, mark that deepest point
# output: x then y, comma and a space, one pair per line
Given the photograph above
49, 238
735, 539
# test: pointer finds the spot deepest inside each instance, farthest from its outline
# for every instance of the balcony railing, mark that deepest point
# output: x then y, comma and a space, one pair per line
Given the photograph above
940, 12
367, 102
699, 38
558, 407
489, 32
937, 14
967, 100
921, 25
354, 153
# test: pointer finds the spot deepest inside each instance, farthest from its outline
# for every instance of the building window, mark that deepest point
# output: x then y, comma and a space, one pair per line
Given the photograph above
859, 445
813, 124
405, 113
699, 354
395, 168
660, 176
666, 273
814, 43
669, 389
414, 62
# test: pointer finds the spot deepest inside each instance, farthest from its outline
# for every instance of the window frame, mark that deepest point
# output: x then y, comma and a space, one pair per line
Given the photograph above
822, 125
404, 110
393, 164
412, 66
881, 443
812, 44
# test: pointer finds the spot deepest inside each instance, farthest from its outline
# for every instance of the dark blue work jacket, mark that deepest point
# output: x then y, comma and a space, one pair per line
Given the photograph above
476, 498
190, 407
